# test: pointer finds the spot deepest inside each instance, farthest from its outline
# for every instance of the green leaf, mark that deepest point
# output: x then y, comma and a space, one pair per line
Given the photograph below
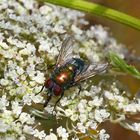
99, 10
119, 63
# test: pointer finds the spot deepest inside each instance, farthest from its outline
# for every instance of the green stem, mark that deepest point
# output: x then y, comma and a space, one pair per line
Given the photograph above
99, 10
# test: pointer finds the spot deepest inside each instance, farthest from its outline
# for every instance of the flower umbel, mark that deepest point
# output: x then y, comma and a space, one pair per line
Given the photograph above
31, 35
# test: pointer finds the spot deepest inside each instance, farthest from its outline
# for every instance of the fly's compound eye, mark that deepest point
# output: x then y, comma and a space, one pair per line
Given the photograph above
49, 84
57, 90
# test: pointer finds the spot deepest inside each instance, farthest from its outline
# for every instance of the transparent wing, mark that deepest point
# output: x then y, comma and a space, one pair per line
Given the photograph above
91, 71
65, 51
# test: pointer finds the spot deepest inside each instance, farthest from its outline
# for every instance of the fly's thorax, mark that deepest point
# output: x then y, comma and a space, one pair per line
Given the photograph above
64, 75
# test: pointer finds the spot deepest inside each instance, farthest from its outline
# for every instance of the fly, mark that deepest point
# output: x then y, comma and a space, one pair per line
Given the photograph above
69, 72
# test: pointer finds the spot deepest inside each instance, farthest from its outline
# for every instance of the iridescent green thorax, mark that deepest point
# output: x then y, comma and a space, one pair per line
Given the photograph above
63, 76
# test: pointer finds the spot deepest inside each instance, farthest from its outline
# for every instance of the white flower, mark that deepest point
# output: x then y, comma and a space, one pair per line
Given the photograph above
3, 127
91, 115
100, 34
45, 45
39, 134
26, 118
20, 70
136, 127
28, 130
24, 51
83, 118
64, 101
3, 102
100, 115
93, 125
75, 138
94, 90
108, 95
32, 83
68, 112
119, 98
96, 101
49, 109
37, 98
29, 4
44, 10
81, 127
59, 29
52, 136
103, 135
54, 51
22, 137
76, 29
7, 117
16, 108
82, 106
62, 133
39, 78
4, 82
16, 127
74, 117
132, 108
4, 45
31, 70
27, 99
31, 48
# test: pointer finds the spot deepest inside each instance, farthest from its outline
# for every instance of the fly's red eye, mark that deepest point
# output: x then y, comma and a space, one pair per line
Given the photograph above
49, 83
57, 90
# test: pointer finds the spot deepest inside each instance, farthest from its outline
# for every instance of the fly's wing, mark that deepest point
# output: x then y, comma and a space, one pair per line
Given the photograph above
65, 51
91, 71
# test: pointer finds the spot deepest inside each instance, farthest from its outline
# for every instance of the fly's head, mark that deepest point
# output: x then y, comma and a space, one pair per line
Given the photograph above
53, 87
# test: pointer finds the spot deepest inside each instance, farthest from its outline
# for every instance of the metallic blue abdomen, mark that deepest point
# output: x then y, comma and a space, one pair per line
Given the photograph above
78, 63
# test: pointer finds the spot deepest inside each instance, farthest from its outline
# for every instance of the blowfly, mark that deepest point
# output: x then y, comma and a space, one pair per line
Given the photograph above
69, 71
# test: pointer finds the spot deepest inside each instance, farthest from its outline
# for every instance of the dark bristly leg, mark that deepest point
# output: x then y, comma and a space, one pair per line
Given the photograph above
80, 88
47, 101
40, 90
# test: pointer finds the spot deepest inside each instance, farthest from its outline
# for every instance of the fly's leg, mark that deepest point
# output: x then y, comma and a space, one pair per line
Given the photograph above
47, 101
40, 90
58, 100
80, 88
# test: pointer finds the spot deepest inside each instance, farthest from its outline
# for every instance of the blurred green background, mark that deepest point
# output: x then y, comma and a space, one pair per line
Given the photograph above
131, 38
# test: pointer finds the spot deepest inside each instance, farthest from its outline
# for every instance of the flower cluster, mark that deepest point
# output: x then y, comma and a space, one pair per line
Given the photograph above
15, 123
96, 105
31, 35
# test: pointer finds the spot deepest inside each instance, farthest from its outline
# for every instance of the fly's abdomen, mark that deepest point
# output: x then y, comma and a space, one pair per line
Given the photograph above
78, 64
